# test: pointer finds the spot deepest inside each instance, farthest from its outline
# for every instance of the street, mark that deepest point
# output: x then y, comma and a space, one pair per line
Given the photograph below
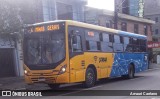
147, 80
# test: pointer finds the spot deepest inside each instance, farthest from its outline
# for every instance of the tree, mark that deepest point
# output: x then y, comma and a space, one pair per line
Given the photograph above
10, 19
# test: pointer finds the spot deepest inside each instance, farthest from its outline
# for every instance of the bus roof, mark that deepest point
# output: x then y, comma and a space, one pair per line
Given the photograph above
96, 27
123, 33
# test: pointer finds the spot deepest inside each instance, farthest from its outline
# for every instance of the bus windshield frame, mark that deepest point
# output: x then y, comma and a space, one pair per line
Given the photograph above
45, 49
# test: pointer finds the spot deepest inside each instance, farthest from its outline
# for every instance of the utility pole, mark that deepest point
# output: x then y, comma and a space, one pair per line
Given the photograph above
115, 15
116, 10
116, 18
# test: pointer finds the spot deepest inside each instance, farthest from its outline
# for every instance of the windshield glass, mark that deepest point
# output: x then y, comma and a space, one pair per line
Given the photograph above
45, 48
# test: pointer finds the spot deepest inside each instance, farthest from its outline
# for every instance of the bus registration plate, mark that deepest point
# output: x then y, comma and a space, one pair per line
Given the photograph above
41, 79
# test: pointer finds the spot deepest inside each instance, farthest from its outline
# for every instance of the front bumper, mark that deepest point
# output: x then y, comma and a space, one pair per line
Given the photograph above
48, 79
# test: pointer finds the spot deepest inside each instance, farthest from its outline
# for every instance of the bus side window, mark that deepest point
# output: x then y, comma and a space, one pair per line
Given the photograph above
143, 45
118, 45
127, 45
93, 40
76, 43
136, 46
106, 43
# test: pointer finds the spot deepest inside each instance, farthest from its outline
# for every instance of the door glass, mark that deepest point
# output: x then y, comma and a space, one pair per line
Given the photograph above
76, 44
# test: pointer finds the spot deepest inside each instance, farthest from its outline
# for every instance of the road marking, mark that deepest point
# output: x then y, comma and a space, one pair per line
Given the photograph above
92, 87
136, 78
79, 91
21, 89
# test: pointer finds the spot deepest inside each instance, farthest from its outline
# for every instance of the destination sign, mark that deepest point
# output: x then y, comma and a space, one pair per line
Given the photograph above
38, 29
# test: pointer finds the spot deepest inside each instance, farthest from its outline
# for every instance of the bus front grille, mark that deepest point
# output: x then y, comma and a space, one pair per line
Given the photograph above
44, 74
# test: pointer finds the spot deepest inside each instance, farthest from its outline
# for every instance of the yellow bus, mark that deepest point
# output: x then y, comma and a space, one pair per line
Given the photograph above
65, 51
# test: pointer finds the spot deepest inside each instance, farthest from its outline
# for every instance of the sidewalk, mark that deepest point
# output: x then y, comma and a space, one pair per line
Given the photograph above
154, 66
18, 83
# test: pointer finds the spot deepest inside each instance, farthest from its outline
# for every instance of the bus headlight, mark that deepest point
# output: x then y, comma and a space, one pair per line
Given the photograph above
63, 69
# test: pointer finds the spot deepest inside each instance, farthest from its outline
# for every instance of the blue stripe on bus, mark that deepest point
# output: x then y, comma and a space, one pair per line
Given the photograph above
122, 61
123, 33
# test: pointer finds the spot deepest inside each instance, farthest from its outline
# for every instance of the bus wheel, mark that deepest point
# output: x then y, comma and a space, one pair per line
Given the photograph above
54, 86
90, 78
131, 71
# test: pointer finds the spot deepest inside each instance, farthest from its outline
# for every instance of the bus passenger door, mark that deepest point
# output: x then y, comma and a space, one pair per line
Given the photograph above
77, 62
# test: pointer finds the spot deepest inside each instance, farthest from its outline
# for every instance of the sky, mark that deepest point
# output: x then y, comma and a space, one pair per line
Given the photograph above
102, 4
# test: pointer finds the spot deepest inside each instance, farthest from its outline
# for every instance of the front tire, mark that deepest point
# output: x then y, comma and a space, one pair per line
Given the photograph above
90, 78
54, 86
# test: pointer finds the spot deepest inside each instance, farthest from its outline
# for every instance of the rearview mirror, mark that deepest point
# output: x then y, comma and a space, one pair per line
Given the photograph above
75, 47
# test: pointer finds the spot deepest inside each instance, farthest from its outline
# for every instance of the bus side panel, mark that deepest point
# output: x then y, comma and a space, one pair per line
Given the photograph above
102, 61
122, 61
78, 65
77, 68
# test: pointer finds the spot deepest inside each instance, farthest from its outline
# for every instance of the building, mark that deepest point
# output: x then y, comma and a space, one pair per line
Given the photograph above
62, 9
48, 10
152, 12
155, 55
11, 59
130, 7
125, 22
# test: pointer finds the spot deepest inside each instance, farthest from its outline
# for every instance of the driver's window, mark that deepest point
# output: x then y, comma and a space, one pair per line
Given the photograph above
76, 43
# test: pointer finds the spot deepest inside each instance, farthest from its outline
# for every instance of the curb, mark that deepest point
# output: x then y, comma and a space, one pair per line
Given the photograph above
152, 69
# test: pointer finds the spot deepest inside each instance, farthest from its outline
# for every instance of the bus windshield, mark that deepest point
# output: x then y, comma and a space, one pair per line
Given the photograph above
44, 48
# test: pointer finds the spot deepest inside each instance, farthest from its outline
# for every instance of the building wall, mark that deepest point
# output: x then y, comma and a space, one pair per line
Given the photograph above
34, 11
152, 12
91, 15
10, 52
151, 7
104, 21
63, 9
130, 25
156, 26
130, 7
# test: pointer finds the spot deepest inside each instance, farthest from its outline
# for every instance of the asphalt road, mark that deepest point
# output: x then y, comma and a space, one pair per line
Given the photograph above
148, 80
